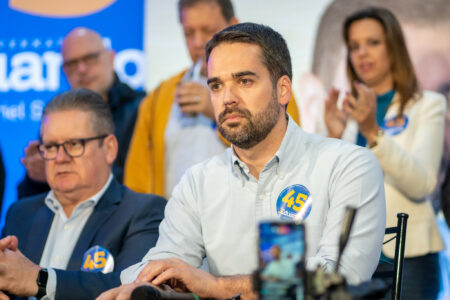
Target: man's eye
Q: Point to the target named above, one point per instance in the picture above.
(214, 86)
(73, 144)
(50, 147)
(245, 81)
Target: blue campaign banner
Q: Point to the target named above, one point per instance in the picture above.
(30, 63)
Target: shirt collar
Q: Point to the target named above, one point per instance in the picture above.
(54, 205)
(280, 160)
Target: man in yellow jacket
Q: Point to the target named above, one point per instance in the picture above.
(175, 128)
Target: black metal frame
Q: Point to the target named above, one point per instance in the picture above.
(400, 238)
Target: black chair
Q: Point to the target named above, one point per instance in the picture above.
(394, 271)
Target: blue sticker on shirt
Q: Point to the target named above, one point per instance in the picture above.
(294, 203)
(395, 125)
(97, 259)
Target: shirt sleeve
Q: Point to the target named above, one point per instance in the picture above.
(51, 285)
(356, 181)
(180, 234)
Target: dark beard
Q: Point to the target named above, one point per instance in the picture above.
(256, 128)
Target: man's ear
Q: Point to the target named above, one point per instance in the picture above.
(284, 90)
(233, 21)
(111, 54)
(111, 147)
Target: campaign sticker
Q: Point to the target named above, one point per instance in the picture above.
(294, 203)
(395, 125)
(97, 259)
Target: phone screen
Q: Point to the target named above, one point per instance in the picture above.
(281, 260)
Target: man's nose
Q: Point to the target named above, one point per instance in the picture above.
(81, 66)
(229, 96)
(61, 155)
(199, 40)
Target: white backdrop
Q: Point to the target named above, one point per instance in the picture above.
(166, 53)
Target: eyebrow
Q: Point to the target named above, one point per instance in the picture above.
(234, 75)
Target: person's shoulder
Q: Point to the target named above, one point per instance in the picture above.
(329, 145)
(135, 197)
(31, 203)
(433, 97)
(337, 150)
(429, 101)
(214, 164)
(172, 80)
(166, 86)
(139, 200)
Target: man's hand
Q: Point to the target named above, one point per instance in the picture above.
(364, 110)
(17, 273)
(33, 162)
(181, 276)
(194, 98)
(122, 292)
(335, 119)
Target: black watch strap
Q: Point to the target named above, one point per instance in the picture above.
(41, 282)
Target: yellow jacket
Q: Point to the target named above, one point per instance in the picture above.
(144, 168)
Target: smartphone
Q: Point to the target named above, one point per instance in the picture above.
(281, 260)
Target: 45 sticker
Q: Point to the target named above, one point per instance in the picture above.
(293, 201)
(97, 259)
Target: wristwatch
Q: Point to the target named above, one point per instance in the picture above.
(41, 282)
(380, 133)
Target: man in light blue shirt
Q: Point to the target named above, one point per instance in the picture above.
(273, 170)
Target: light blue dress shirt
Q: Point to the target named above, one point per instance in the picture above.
(64, 233)
(215, 209)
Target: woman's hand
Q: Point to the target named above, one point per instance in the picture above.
(364, 110)
(335, 119)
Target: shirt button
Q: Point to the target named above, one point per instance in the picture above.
(261, 196)
(66, 227)
(56, 258)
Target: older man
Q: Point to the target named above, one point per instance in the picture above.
(176, 127)
(273, 170)
(88, 64)
(88, 223)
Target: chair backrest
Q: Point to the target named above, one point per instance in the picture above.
(400, 238)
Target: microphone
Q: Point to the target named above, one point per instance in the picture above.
(148, 292)
(347, 224)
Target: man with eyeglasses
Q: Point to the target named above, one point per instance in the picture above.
(76, 239)
(88, 64)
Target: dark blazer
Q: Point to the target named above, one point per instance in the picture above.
(124, 222)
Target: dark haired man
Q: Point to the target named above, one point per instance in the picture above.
(273, 170)
(88, 224)
(176, 127)
(88, 64)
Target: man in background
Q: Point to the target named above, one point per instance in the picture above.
(60, 244)
(87, 63)
(176, 127)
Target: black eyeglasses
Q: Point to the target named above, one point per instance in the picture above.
(73, 148)
(88, 59)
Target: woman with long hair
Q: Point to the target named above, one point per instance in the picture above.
(403, 127)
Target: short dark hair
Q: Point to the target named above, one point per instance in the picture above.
(226, 7)
(404, 77)
(86, 101)
(275, 53)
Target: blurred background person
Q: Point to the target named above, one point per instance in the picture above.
(87, 63)
(176, 127)
(404, 127)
